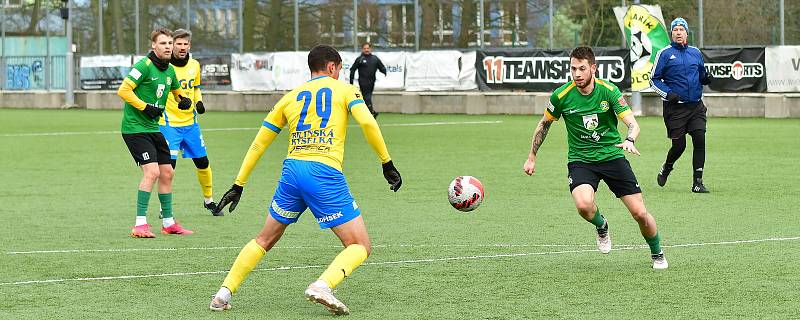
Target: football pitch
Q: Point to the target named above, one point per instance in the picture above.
(69, 190)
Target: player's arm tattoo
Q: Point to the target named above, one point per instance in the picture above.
(633, 126)
(539, 134)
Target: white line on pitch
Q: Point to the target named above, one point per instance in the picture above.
(498, 245)
(475, 257)
(254, 128)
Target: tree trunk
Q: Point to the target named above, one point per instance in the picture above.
(248, 25)
(274, 40)
(468, 17)
(429, 8)
(119, 33)
(32, 26)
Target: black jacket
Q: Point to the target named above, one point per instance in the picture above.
(366, 65)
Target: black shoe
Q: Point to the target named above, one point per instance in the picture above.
(211, 206)
(698, 186)
(662, 175)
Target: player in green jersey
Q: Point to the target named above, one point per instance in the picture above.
(145, 90)
(590, 108)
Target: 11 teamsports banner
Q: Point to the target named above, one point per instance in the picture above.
(739, 69)
(646, 34)
(783, 68)
(544, 70)
(104, 72)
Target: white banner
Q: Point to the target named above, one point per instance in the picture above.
(783, 68)
(252, 72)
(432, 71)
(395, 63)
(104, 72)
(348, 57)
(466, 76)
(106, 61)
(290, 69)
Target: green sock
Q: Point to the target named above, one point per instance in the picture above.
(654, 243)
(142, 200)
(166, 204)
(598, 219)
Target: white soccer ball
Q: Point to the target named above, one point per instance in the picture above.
(465, 193)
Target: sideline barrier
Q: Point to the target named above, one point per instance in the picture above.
(758, 105)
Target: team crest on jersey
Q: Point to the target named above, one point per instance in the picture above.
(590, 122)
(604, 105)
(169, 81)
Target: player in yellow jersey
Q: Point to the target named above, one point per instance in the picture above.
(316, 115)
(180, 126)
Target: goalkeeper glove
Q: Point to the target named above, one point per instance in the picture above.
(673, 97)
(201, 109)
(707, 80)
(392, 176)
(152, 111)
(185, 103)
(231, 197)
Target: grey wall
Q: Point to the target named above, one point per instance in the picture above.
(758, 105)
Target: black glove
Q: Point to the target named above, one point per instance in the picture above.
(231, 196)
(201, 109)
(185, 103)
(707, 80)
(392, 176)
(673, 97)
(152, 111)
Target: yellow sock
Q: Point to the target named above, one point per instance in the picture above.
(205, 178)
(247, 260)
(344, 264)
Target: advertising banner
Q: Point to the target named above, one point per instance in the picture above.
(433, 70)
(104, 72)
(544, 70)
(783, 68)
(252, 72)
(466, 76)
(290, 69)
(740, 69)
(215, 72)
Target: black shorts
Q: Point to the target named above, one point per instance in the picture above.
(148, 147)
(617, 174)
(682, 118)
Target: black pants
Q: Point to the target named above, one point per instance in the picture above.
(366, 90)
(681, 119)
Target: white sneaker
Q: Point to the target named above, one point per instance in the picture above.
(221, 300)
(659, 261)
(604, 239)
(318, 292)
(219, 304)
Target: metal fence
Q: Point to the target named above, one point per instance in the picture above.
(226, 26)
(102, 27)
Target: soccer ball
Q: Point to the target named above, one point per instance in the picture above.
(465, 193)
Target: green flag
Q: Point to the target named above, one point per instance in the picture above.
(646, 34)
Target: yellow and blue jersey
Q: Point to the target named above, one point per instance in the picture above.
(316, 115)
(189, 79)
